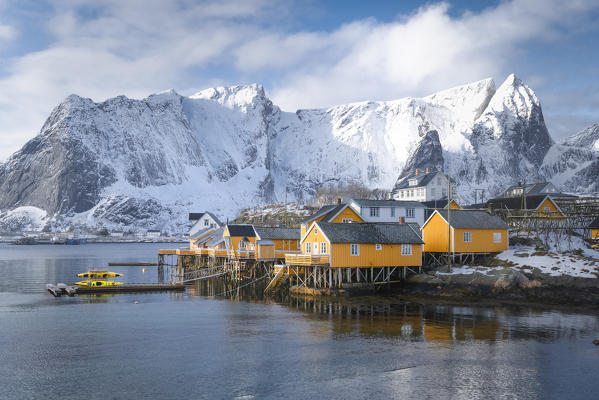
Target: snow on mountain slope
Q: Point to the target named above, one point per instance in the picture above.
(147, 163)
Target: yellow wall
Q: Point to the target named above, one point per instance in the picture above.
(434, 234)
(348, 212)
(595, 233)
(435, 238)
(315, 238)
(267, 251)
(192, 241)
(548, 203)
(388, 256)
(454, 206)
(482, 241)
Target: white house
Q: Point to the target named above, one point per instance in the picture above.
(421, 186)
(202, 221)
(116, 234)
(153, 233)
(388, 210)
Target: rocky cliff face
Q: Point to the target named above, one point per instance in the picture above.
(146, 163)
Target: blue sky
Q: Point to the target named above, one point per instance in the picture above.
(305, 53)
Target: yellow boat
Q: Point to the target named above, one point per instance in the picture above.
(98, 283)
(99, 274)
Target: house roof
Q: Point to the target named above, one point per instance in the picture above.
(216, 237)
(594, 224)
(277, 233)
(199, 232)
(473, 219)
(324, 210)
(531, 188)
(241, 230)
(515, 203)
(386, 203)
(214, 217)
(423, 179)
(195, 216)
(369, 233)
(437, 203)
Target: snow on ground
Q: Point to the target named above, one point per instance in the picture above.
(470, 269)
(553, 263)
(25, 218)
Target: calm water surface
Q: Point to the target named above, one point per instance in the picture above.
(191, 345)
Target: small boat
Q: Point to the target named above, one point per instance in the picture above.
(99, 274)
(98, 283)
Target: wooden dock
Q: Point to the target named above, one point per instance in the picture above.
(132, 264)
(70, 290)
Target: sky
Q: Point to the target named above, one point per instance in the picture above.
(305, 53)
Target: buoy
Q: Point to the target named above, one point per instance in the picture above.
(136, 302)
(143, 270)
(596, 342)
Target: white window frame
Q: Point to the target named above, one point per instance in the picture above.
(354, 249)
(379, 246)
(393, 211)
(406, 249)
(496, 236)
(308, 247)
(467, 236)
(323, 247)
(547, 209)
(410, 212)
(375, 211)
(347, 220)
(206, 222)
(299, 247)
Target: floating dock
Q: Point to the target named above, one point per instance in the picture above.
(132, 264)
(71, 290)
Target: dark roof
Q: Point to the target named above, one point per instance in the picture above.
(195, 216)
(331, 214)
(435, 203)
(531, 188)
(277, 233)
(324, 210)
(473, 219)
(423, 179)
(369, 233)
(387, 203)
(241, 230)
(515, 203)
(475, 206)
(595, 223)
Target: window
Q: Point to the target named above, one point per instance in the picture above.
(393, 211)
(308, 247)
(444, 192)
(497, 237)
(402, 193)
(406, 249)
(347, 220)
(298, 244)
(547, 209)
(433, 191)
(355, 250)
(374, 211)
(323, 248)
(467, 237)
(411, 193)
(243, 244)
(206, 222)
(413, 182)
(379, 246)
(410, 212)
(316, 231)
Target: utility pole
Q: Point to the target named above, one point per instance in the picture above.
(448, 223)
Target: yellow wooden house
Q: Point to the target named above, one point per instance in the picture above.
(472, 231)
(538, 205)
(334, 213)
(274, 242)
(594, 228)
(240, 241)
(361, 245)
(195, 241)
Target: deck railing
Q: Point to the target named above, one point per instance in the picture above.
(306, 259)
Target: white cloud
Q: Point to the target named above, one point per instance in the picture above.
(138, 47)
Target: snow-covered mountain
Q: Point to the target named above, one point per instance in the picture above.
(146, 163)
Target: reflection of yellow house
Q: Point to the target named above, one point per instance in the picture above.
(360, 245)
(335, 213)
(472, 231)
(594, 227)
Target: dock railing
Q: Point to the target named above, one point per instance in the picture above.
(306, 259)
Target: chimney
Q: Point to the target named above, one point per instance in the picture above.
(428, 170)
(417, 171)
(402, 220)
(338, 200)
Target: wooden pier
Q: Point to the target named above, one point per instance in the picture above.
(70, 290)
